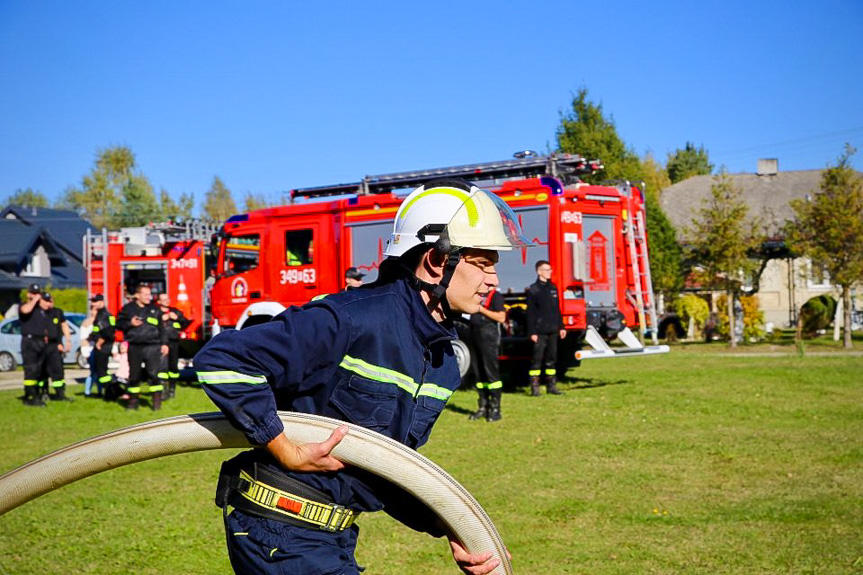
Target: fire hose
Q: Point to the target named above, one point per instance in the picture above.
(362, 448)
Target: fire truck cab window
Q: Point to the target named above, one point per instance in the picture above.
(298, 247)
(242, 253)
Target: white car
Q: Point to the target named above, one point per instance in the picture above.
(10, 342)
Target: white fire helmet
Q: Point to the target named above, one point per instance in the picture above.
(454, 214)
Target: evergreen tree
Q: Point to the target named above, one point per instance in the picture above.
(586, 131)
(688, 162)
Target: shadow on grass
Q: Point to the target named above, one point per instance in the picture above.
(576, 383)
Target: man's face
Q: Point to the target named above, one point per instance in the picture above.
(474, 276)
(144, 296)
(164, 300)
(46, 304)
(97, 305)
(544, 272)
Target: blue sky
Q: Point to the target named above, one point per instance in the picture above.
(271, 96)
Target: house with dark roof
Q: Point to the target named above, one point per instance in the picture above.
(786, 282)
(40, 245)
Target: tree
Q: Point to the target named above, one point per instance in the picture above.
(218, 202)
(100, 197)
(666, 257)
(255, 202)
(829, 229)
(585, 131)
(138, 206)
(722, 240)
(176, 211)
(688, 162)
(27, 198)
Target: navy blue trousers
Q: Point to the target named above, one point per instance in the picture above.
(264, 546)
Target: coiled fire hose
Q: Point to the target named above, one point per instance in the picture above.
(361, 447)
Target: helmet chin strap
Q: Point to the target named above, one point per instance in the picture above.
(438, 290)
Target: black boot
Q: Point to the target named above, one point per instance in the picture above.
(482, 404)
(494, 406)
(534, 385)
(60, 395)
(133, 402)
(157, 400)
(551, 386)
(32, 397)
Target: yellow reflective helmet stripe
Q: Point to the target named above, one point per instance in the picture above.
(472, 213)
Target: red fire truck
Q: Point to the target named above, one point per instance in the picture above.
(593, 235)
(166, 257)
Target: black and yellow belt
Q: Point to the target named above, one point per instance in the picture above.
(257, 496)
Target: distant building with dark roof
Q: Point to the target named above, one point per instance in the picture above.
(786, 283)
(40, 245)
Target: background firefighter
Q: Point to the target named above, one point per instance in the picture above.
(174, 323)
(485, 340)
(141, 323)
(544, 326)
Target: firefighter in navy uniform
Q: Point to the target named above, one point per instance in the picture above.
(102, 338)
(544, 326)
(141, 323)
(485, 339)
(33, 324)
(379, 357)
(174, 322)
(58, 340)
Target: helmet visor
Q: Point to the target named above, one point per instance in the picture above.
(485, 221)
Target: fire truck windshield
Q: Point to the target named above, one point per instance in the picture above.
(241, 253)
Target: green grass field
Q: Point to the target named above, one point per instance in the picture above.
(700, 461)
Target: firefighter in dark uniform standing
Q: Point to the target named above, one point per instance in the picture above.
(544, 326)
(141, 323)
(58, 337)
(33, 324)
(485, 340)
(174, 323)
(102, 338)
(379, 357)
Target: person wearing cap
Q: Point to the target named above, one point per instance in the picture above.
(380, 357)
(102, 339)
(58, 340)
(33, 324)
(353, 278)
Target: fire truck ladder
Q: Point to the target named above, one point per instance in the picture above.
(561, 166)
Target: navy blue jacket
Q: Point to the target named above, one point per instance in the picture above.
(372, 356)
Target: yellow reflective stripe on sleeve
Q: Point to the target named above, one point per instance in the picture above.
(217, 377)
(436, 391)
(378, 373)
(176, 325)
(319, 296)
(152, 320)
(111, 320)
(95, 329)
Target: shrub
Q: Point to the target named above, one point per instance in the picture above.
(693, 307)
(817, 314)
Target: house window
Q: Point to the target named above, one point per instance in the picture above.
(818, 277)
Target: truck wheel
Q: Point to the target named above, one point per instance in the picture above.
(7, 361)
(462, 356)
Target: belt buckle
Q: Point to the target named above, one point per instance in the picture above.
(337, 515)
